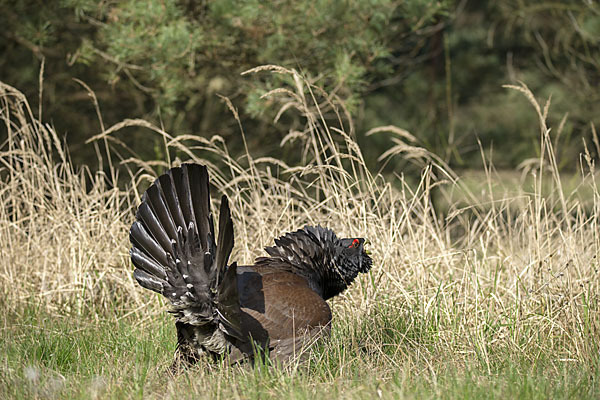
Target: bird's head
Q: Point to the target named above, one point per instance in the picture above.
(353, 257)
(350, 259)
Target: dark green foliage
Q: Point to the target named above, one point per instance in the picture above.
(455, 97)
(167, 60)
(434, 68)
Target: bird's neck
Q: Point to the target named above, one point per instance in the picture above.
(314, 260)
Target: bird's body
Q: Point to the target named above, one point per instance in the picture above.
(278, 304)
(278, 311)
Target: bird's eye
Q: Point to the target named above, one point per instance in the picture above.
(355, 243)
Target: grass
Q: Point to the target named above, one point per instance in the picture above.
(496, 298)
(73, 358)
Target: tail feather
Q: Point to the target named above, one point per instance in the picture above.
(179, 177)
(228, 298)
(175, 254)
(149, 281)
(199, 191)
(225, 236)
(151, 221)
(148, 264)
(144, 241)
(229, 305)
(167, 189)
(154, 197)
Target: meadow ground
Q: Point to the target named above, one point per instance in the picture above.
(496, 296)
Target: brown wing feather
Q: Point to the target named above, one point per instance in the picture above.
(287, 310)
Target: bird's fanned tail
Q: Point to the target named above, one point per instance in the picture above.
(175, 253)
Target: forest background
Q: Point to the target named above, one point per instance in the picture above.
(432, 68)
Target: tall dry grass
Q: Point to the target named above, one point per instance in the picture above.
(508, 277)
(62, 231)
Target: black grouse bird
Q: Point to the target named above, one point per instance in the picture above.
(278, 304)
